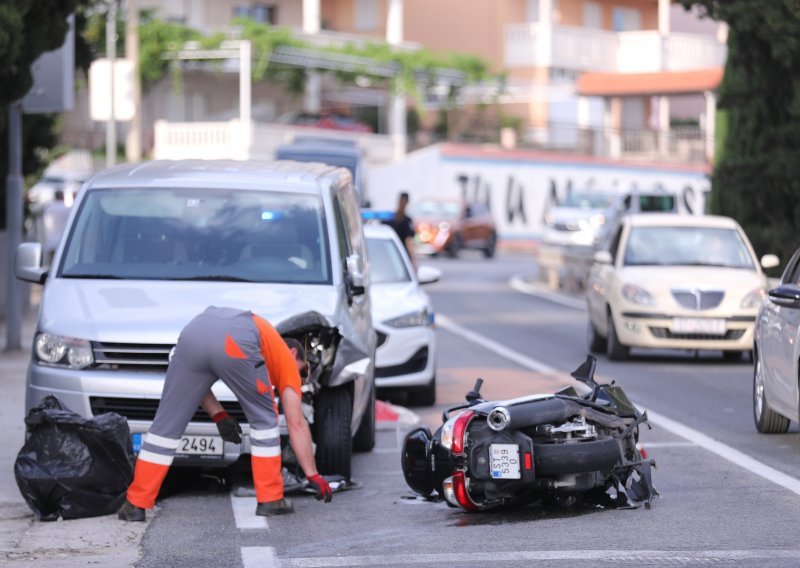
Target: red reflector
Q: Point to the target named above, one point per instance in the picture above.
(642, 451)
(528, 462)
(460, 489)
(459, 430)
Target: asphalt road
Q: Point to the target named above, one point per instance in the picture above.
(728, 495)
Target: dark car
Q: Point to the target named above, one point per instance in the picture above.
(450, 225)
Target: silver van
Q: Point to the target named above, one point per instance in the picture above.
(149, 246)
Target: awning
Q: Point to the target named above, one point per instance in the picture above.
(661, 83)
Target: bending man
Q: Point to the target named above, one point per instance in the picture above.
(250, 357)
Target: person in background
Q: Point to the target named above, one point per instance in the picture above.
(404, 226)
(251, 358)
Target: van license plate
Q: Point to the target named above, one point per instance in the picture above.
(504, 460)
(200, 445)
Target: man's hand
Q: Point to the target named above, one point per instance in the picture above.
(228, 428)
(321, 487)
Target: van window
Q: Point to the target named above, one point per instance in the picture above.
(198, 234)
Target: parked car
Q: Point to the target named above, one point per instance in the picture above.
(331, 151)
(44, 190)
(152, 245)
(451, 225)
(675, 282)
(403, 317)
(585, 219)
(328, 120)
(776, 354)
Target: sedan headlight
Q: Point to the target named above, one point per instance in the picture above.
(753, 299)
(413, 319)
(637, 295)
(63, 351)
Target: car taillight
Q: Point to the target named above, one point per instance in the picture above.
(454, 430)
(460, 491)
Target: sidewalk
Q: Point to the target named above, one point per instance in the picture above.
(101, 541)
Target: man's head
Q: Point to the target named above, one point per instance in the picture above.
(299, 355)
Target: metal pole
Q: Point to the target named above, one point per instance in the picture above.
(133, 143)
(111, 52)
(13, 226)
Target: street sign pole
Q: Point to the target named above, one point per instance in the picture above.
(111, 52)
(14, 185)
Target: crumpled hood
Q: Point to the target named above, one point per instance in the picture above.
(394, 300)
(136, 311)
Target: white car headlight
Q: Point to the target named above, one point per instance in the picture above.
(63, 351)
(637, 295)
(413, 319)
(753, 299)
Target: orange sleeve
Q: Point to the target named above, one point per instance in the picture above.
(281, 366)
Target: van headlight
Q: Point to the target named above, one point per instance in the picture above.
(63, 351)
(413, 319)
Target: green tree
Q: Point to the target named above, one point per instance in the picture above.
(29, 28)
(756, 178)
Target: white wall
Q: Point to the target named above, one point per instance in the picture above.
(519, 185)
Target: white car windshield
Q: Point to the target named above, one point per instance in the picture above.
(687, 246)
(386, 263)
(198, 234)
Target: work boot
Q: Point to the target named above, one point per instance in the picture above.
(279, 507)
(130, 512)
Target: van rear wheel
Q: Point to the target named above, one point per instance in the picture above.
(332, 432)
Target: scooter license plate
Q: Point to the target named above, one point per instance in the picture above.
(504, 461)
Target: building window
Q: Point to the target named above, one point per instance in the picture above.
(626, 19)
(366, 15)
(261, 13)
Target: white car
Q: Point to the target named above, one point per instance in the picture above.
(675, 282)
(402, 316)
(777, 354)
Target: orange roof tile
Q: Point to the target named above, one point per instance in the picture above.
(661, 83)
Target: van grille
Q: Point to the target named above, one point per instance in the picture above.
(131, 356)
(145, 408)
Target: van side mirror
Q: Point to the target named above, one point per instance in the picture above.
(28, 263)
(354, 276)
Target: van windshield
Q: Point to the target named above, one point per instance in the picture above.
(198, 234)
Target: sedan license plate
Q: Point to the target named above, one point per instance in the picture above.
(698, 325)
(189, 445)
(504, 460)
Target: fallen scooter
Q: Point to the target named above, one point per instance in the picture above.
(555, 448)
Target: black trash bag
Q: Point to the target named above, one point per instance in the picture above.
(74, 467)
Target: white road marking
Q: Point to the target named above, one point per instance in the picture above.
(517, 283)
(694, 436)
(724, 451)
(259, 557)
(634, 557)
(495, 347)
(649, 445)
(244, 512)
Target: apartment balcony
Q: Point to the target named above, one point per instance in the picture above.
(583, 49)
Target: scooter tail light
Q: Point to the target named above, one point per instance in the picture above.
(642, 451)
(460, 491)
(460, 431)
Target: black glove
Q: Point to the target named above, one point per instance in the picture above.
(320, 487)
(228, 428)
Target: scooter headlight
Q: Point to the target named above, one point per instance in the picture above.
(63, 351)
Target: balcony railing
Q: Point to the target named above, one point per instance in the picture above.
(583, 49)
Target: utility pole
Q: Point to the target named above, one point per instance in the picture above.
(111, 52)
(133, 142)
(14, 185)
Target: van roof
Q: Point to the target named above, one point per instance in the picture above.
(219, 173)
